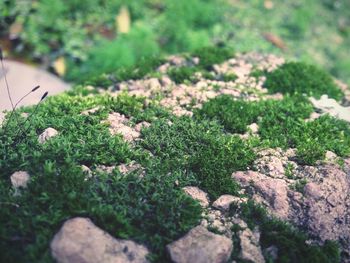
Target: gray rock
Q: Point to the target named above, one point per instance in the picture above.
(323, 207)
(79, 240)
(197, 194)
(47, 134)
(200, 246)
(331, 106)
(250, 247)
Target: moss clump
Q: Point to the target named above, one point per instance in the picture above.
(199, 149)
(234, 115)
(282, 120)
(208, 56)
(323, 134)
(298, 77)
(229, 77)
(135, 108)
(182, 74)
(291, 243)
(282, 124)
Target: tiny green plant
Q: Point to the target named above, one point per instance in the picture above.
(21, 132)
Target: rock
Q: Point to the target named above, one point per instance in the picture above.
(271, 166)
(79, 240)
(195, 60)
(87, 171)
(330, 156)
(254, 127)
(197, 194)
(312, 190)
(128, 168)
(90, 111)
(332, 107)
(141, 125)
(250, 247)
(323, 208)
(118, 125)
(105, 169)
(178, 111)
(20, 179)
(166, 81)
(47, 134)
(200, 245)
(224, 202)
(313, 116)
(153, 84)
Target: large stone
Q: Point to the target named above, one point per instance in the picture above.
(250, 246)
(321, 208)
(197, 194)
(80, 241)
(200, 246)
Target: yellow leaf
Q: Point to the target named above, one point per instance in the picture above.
(122, 20)
(60, 66)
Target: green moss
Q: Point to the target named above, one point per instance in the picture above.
(298, 77)
(282, 124)
(135, 108)
(58, 190)
(209, 56)
(234, 115)
(291, 243)
(299, 185)
(282, 120)
(229, 77)
(257, 73)
(201, 150)
(323, 134)
(181, 74)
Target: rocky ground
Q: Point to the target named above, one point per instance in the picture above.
(313, 199)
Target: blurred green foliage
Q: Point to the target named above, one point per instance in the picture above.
(84, 32)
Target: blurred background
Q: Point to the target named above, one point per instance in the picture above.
(77, 39)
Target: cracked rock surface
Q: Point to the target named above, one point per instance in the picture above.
(320, 205)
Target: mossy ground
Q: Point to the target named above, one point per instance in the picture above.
(202, 150)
